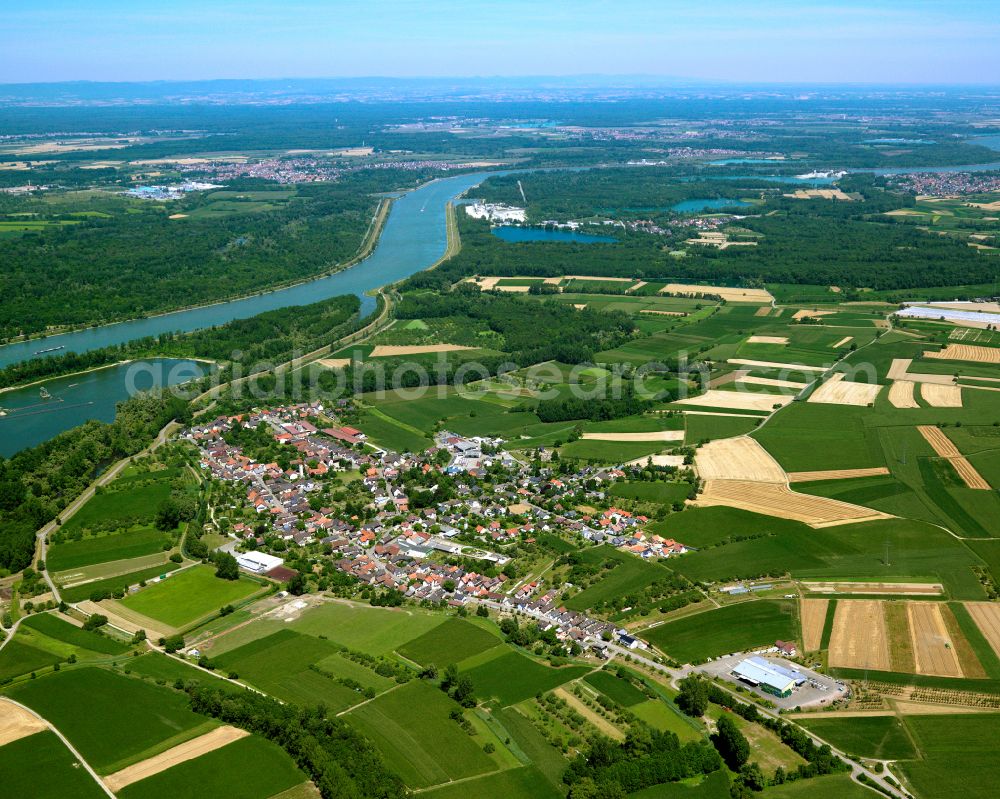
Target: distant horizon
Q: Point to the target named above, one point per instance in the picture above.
(869, 42)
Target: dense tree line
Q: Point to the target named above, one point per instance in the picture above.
(340, 761)
(270, 337)
(561, 409)
(37, 483)
(646, 757)
(127, 265)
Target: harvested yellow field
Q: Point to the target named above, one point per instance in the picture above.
(513, 289)
(859, 639)
(763, 311)
(659, 460)
(659, 435)
(334, 363)
(804, 314)
(579, 305)
(740, 458)
(181, 753)
(837, 391)
(602, 279)
(737, 400)
(986, 615)
(813, 615)
(778, 500)
(727, 293)
(943, 447)
(387, 350)
(932, 646)
(901, 394)
(16, 722)
(895, 589)
(900, 370)
(842, 342)
(793, 367)
(818, 194)
(836, 474)
(178, 216)
(771, 381)
(967, 352)
(637, 286)
(767, 340)
(939, 396)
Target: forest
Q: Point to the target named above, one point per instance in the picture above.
(37, 483)
(127, 261)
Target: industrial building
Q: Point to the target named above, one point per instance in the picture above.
(257, 562)
(768, 676)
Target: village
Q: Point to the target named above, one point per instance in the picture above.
(416, 550)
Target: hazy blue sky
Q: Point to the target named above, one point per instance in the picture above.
(911, 41)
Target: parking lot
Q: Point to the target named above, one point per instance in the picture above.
(818, 690)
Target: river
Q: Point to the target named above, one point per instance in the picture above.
(414, 237)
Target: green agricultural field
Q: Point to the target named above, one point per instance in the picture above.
(411, 728)
(513, 677)
(451, 642)
(166, 670)
(808, 436)
(958, 756)
(18, 658)
(41, 767)
(385, 431)
(524, 782)
(132, 543)
(112, 720)
(662, 493)
(834, 786)
(611, 451)
(631, 574)
(708, 428)
(249, 768)
(878, 737)
(136, 504)
(615, 688)
(665, 717)
(733, 628)
(300, 669)
(61, 630)
(378, 631)
(188, 596)
(527, 738)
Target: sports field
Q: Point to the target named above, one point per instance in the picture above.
(188, 596)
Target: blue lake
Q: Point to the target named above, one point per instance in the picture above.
(515, 234)
(706, 204)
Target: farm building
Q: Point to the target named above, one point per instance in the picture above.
(258, 562)
(768, 676)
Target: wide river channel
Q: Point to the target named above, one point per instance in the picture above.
(414, 237)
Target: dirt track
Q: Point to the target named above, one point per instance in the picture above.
(188, 750)
(859, 639)
(813, 613)
(16, 723)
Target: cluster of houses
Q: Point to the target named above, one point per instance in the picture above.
(399, 548)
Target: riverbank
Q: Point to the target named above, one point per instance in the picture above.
(110, 365)
(368, 244)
